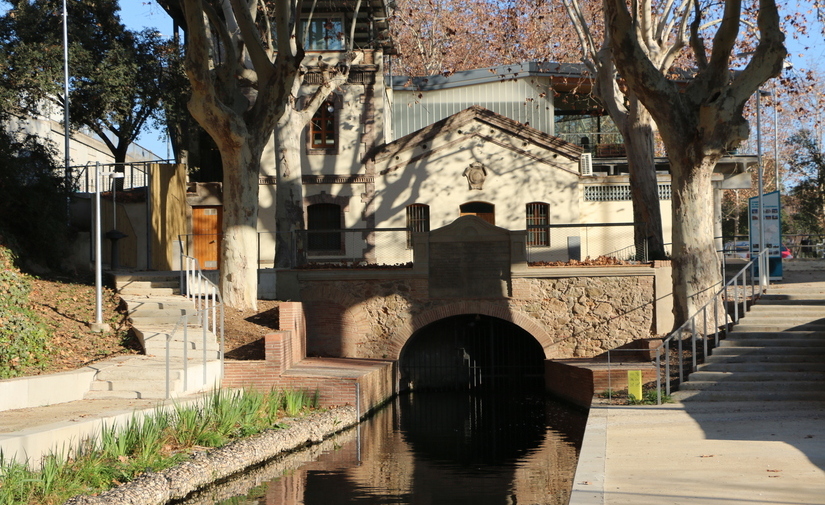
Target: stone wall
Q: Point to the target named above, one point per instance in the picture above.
(372, 315)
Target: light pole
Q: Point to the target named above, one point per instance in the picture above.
(66, 158)
(98, 325)
(763, 274)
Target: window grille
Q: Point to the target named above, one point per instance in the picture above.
(418, 220)
(538, 215)
(324, 216)
(618, 193)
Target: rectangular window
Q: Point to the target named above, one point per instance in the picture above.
(320, 217)
(538, 217)
(418, 220)
(322, 128)
(324, 34)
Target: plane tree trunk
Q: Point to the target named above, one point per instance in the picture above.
(699, 121)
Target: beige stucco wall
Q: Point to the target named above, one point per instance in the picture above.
(360, 123)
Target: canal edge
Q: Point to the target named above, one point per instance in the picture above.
(207, 467)
(588, 482)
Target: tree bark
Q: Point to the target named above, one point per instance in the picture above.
(290, 250)
(638, 136)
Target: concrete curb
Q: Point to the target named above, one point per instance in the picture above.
(588, 483)
(204, 468)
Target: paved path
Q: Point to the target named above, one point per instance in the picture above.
(707, 453)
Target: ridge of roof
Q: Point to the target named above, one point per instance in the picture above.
(476, 112)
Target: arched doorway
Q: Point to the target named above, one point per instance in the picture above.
(483, 210)
(471, 351)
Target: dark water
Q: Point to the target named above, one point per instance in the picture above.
(433, 448)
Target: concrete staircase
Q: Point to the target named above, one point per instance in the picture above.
(777, 352)
(156, 312)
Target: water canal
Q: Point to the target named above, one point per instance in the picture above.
(428, 448)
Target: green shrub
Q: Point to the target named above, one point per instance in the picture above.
(23, 338)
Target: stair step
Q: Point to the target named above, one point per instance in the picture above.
(774, 365)
(129, 395)
(136, 373)
(772, 386)
(758, 376)
(765, 358)
(747, 396)
(149, 291)
(770, 346)
(778, 326)
(135, 385)
(783, 335)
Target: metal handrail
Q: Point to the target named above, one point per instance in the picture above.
(720, 296)
(209, 312)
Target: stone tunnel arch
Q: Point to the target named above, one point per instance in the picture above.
(471, 352)
(497, 310)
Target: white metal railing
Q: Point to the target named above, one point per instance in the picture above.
(739, 285)
(207, 317)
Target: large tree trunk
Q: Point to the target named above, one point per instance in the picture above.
(290, 199)
(696, 276)
(644, 186)
(239, 255)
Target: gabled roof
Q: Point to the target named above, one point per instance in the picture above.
(553, 145)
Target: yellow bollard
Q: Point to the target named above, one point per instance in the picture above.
(634, 384)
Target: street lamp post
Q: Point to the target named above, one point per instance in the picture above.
(763, 274)
(98, 325)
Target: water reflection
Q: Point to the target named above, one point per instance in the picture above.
(433, 448)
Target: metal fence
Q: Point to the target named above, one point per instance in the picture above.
(566, 242)
(345, 247)
(135, 175)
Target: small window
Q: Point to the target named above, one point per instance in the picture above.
(484, 210)
(324, 34)
(418, 220)
(321, 217)
(538, 217)
(322, 128)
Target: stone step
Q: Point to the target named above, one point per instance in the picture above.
(770, 346)
(772, 386)
(814, 311)
(135, 373)
(763, 367)
(759, 376)
(767, 357)
(143, 291)
(177, 353)
(756, 335)
(778, 326)
(129, 395)
(156, 336)
(150, 318)
(792, 298)
(746, 396)
(136, 385)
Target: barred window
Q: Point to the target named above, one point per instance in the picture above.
(418, 220)
(324, 216)
(618, 193)
(538, 217)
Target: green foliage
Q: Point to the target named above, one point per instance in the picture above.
(807, 167)
(149, 443)
(115, 87)
(649, 397)
(33, 200)
(22, 336)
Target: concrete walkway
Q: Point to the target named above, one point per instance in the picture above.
(707, 452)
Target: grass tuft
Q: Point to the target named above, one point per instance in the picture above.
(149, 443)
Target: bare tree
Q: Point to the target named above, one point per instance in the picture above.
(699, 121)
(662, 34)
(245, 63)
(240, 89)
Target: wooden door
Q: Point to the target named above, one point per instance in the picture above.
(207, 227)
